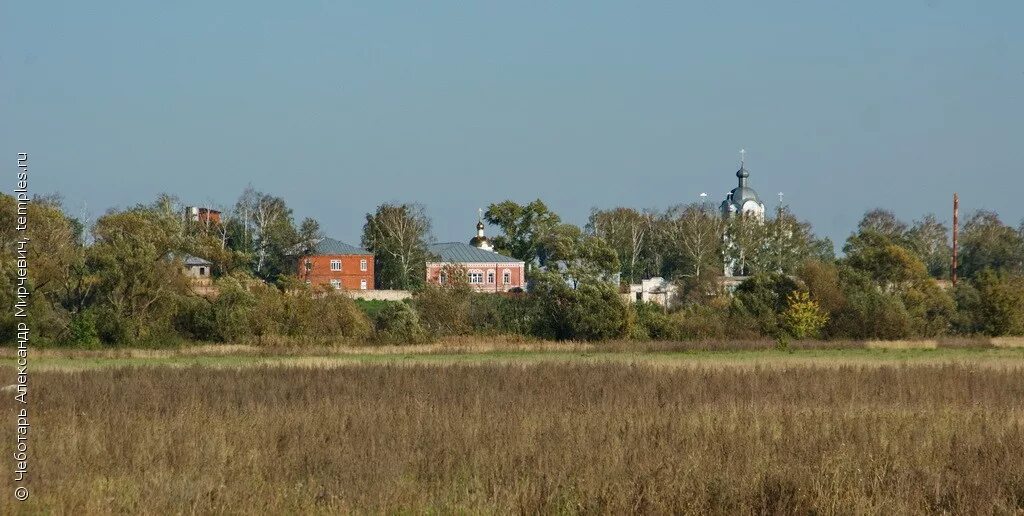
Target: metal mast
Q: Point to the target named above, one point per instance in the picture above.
(956, 233)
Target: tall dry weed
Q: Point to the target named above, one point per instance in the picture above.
(575, 438)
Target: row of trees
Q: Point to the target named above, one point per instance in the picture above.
(399, 234)
(118, 280)
(683, 241)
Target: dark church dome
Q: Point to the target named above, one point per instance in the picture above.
(742, 194)
(480, 241)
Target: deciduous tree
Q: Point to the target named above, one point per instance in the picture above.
(803, 317)
(136, 261)
(883, 222)
(887, 263)
(628, 232)
(397, 234)
(929, 239)
(987, 243)
(523, 228)
(578, 257)
(693, 235)
(268, 233)
(592, 311)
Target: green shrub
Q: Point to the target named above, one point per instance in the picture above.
(931, 309)
(194, 319)
(499, 314)
(868, 311)
(397, 323)
(650, 321)
(232, 311)
(873, 314)
(992, 304)
(444, 309)
(591, 311)
(803, 318)
(337, 316)
(702, 322)
(370, 307)
(318, 315)
(82, 331)
(763, 298)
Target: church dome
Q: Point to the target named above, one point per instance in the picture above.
(742, 199)
(742, 194)
(480, 241)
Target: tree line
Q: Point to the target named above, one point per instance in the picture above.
(118, 280)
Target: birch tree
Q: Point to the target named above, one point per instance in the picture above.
(268, 231)
(929, 238)
(789, 242)
(695, 235)
(397, 234)
(627, 231)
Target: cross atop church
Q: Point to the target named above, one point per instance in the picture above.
(743, 156)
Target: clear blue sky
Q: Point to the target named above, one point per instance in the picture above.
(337, 107)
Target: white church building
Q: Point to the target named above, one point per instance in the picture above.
(742, 201)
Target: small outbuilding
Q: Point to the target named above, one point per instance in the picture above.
(196, 267)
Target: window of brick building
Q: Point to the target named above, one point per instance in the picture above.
(506, 277)
(335, 265)
(362, 284)
(336, 284)
(362, 265)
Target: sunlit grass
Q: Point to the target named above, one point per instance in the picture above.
(984, 357)
(530, 432)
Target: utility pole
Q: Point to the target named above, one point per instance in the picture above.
(956, 234)
(779, 233)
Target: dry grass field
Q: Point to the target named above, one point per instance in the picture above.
(562, 436)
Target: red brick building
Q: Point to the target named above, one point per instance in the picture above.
(339, 265)
(202, 215)
(488, 271)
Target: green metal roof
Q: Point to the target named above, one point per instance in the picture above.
(459, 252)
(330, 246)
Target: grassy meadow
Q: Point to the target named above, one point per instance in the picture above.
(526, 428)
